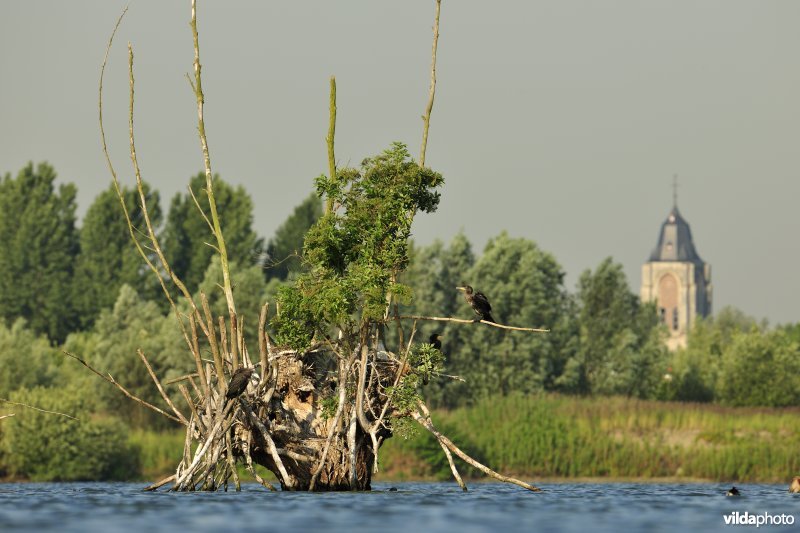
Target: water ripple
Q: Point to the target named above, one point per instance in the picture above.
(434, 507)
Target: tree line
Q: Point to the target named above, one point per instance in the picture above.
(85, 290)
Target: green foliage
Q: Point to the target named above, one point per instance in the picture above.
(694, 371)
(159, 451)
(329, 406)
(187, 232)
(525, 286)
(425, 360)
(249, 290)
(561, 436)
(433, 274)
(760, 369)
(26, 359)
(46, 447)
(108, 258)
(284, 248)
(620, 347)
(39, 243)
(354, 253)
(131, 325)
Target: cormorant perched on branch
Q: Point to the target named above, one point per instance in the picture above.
(479, 303)
(435, 341)
(239, 381)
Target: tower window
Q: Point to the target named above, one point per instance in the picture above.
(675, 318)
(662, 314)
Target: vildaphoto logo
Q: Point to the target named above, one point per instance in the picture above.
(761, 519)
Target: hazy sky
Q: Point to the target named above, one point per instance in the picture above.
(560, 121)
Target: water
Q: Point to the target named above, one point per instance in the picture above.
(417, 507)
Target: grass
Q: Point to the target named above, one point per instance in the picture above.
(551, 436)
(161, 451)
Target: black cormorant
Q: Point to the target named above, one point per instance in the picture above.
(479, 303)
(732, 492)
(239, 381)
(436, 341)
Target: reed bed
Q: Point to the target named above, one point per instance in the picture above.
(568, 437)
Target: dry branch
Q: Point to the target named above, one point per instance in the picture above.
(180, 378)
(7, 416)
(286, 479)
(159, 484)
(426, 118)
(464, 321)
(334, 426)
(427, 424)
(329, 140)
(114, 382)
(35, 409)
(201, 130)
(161, 389)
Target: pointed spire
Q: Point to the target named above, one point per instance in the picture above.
(675, 191)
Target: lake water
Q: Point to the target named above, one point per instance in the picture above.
(417, 507)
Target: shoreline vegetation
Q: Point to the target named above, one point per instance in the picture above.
(555, 438)
(551, 436)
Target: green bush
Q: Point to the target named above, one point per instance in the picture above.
(760, 369)
(26, 358)
(48, 447)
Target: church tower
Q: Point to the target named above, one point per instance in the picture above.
(677, 279)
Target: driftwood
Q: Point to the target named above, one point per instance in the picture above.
(287, 421)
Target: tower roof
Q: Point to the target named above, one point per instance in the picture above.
(675, 240)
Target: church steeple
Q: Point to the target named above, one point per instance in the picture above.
(676, 277)
(675, 191)
(675, 241)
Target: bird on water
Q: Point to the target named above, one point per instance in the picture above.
(239, 381)
(479, 303)
(733, 491)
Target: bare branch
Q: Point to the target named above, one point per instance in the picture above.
(114, 382)
(464, 321)
(196, 353)
(427, 424)
(203, 213)
(161, 389)
(337, 417)
(212, 340)
(329, 140)
(181, 378)
(273, 450)
(262, 340)
(159, 484)
(8, 416)
(248, 460)
(201, 130)
(190, 402)
(35, 409)
(445, 449)
(426, 118)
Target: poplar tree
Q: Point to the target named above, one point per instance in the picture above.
(38, 246)
(186, 233)
(284, 249)
(107, 260)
